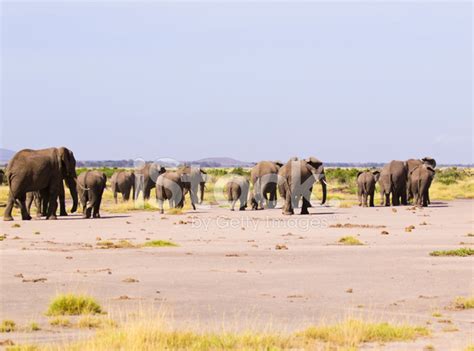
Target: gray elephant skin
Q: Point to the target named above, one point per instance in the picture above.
(146, 178)
(264, 178)
(296, 180)
(420, 182)
(366, 181)
(123, 182)
(393, 181)
(91, 186)
(237, 189)
(41, 202)
(411, 165)
(170, 187)
(194, 182)
(43, 171)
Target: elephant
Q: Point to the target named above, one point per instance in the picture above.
(146, 178)
(393, 180)
(420, 182)
(237, 189)
(264, 178)
(40, 170)
(192, 178)
(41, 204)
(296, 179)
(90, 186)
(411, 165)
(123, 182)
(2, 176)
(169, 186)
(366, 186)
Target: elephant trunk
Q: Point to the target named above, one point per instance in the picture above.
(71, 183)
(322, 180)
(202, 186)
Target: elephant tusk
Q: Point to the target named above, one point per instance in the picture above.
(324, 182)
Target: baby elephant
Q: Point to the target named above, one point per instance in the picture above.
(420, 182)
(90, 187)
(237, 188)
(366, 186)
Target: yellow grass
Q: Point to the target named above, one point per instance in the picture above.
(146, 334)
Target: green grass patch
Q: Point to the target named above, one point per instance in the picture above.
(159, 243)
(7, 326)
(349, 240)
(70, 304)
(462, 252)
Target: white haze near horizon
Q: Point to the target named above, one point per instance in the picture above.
(355, 82)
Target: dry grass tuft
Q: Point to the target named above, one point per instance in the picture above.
(462, 252)
(349, 240)
(7, 326)
(159, 243)
(463, 303)
(70, 304)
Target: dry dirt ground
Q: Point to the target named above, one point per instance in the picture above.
(228, 271)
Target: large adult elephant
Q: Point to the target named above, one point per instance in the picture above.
(411, 165)
(169, 186)
(146, 178)
(264, 177)
(420, 181)
(123, 182)
(90, 186)
(296, 180)
(194, 182)
(43, 171)
(393, 180)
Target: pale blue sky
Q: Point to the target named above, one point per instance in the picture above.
(363, 81)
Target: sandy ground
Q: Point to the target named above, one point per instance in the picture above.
(227, 270)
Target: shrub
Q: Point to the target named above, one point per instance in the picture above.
(349, 240)
(7, 326)
(70, 304)
(159, 243)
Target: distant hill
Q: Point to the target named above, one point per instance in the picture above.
(6, 155)
(221, 162)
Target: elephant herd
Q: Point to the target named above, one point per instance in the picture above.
(39, 176)
(403, 180)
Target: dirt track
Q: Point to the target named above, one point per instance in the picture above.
(227, 269)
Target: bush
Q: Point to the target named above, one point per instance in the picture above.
(70, 304)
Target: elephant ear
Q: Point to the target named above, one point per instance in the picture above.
(67, 162)
(279, 163)
(376, 174)
(431, 169)
(314, 162)
(204, 176)
(359, 173)
(429, 161)
(413, 170)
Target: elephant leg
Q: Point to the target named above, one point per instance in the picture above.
(428, 197)
(359, 196)
(42, 202)
(232, 205)
(62, 201)
(288, 208)
(395, 198)
(403, 196)
(387, 199)
(126, 195)
(7, 215)
(98, 200)
(115, 196)
(146, 192)
(364, 199)
(271, 203)
(371, 199)
(160, 205)
(243, 204)
(24, 211)
(52, 203)
(304, 207)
